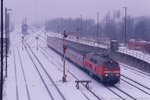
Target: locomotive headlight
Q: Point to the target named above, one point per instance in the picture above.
(106, 74)
(117, 75)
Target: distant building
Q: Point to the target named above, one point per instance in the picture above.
(117, 15)
(25, 27)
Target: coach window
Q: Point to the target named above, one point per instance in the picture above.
(95, 61)
(91, 59)
(87, 57)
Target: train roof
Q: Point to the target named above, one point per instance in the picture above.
(81, 50)
(72, 46)
(100, 57)
(77, 49)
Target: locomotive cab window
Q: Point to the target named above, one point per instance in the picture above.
(114, 64)
(108, 65)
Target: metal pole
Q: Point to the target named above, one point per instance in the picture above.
(81, 26)
(6, 32)
(22, 42)
(64, 48)
(64, 60)
(69, 24)
(6, 35)
(97, 31)
(1, 93)
(77, 40)
(37, 43)
(125, 38)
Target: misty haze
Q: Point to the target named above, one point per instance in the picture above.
(75, 50)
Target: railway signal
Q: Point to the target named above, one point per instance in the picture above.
(22, 42)
(37, 43)
(64, 50)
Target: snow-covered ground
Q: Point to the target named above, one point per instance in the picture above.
(27, 79)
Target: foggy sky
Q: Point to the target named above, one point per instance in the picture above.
(38, 10)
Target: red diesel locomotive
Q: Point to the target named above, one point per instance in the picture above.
(101, 66)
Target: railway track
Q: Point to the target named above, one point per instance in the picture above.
(115, 93)
(16, 80)
(16, 74)
(143, 74)
(136, 87)
(131, 97)
(15, 45)
(27, 89)
(136, 82)
(35, 57)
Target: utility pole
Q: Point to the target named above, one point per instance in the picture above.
(1, 88)
(69, 24)
(125, 37)
(77, 40)
(6, 35)
(97, 31)
(77, 37)
(81, 27)
(6, 32)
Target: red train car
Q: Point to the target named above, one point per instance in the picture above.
(101, 66)
(143, 46)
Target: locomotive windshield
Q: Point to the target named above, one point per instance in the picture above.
(109, 65)
(114, 64)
